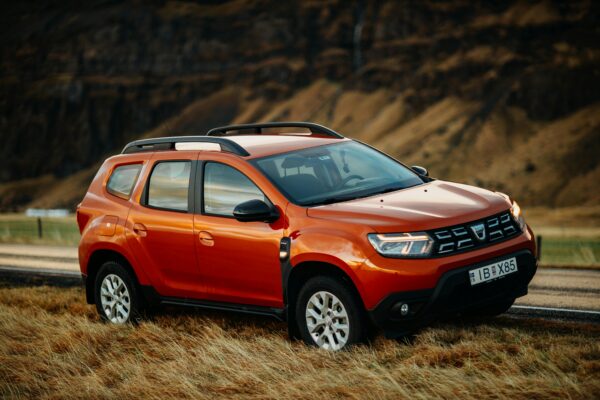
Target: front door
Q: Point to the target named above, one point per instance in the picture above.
(161, 226)
(239, 260)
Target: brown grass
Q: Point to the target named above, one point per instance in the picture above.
(53, 346)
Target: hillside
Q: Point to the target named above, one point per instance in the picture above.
(505, 96)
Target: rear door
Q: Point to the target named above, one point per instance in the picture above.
(161, 226)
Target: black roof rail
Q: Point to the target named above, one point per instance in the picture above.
(254, 129)
(168, 143)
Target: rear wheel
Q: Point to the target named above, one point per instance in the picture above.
(116, 294)
(329, 315)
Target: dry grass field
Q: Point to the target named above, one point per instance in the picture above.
(53, 346)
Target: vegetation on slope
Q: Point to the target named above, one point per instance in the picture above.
(500, 94)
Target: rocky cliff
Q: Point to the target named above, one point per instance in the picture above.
(502, 95)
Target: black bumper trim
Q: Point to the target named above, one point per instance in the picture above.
(452, 295)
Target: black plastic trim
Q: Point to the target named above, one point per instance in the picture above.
(168, 143)
(285, 244)
(155, 299)
(89, 289)
(199, 187)
(256, 129)
(277, 313)
(434, 303)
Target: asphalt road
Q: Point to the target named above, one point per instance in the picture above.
(556, 293)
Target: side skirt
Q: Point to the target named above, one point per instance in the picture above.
(155, 299)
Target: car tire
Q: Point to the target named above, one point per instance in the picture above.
(493, 309)
(116, 294)
(329, 315)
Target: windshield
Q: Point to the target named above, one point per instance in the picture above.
(336, 172)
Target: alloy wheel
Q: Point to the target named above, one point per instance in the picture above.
(115, 300)
(327, 321)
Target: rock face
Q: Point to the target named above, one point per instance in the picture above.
(495, 94)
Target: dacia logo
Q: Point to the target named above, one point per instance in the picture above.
(479, 231)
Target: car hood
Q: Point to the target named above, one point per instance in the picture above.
(432, 205)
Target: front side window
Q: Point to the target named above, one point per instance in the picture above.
(122, 180)
(169, 185)
(225, 187)
(334, 173)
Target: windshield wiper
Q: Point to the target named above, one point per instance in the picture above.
(387, 190)
(331, 200)
(338, 199)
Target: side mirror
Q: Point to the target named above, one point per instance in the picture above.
(420, 170)
(254, 210)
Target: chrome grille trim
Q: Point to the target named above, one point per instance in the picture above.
(446, 248)
(459, 238)
(464, 243)
(460, 231)
(443, 235)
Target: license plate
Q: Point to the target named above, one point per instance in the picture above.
(493, 271)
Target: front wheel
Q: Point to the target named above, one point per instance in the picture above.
(329, 315)
(116, 294)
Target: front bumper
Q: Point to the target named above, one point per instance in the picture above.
(452, 295)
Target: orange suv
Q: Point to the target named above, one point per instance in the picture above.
(325, 232)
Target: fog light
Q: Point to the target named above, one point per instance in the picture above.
(404, 309)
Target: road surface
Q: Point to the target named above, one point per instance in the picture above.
(554, 292)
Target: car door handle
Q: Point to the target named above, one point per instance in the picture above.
(140, 230)
(206, 238)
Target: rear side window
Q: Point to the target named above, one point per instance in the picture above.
(226, 187)
(123, 179)
(169, 185)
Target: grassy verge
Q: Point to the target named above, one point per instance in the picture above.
(571, 251)
(17, 228)
(52, 345)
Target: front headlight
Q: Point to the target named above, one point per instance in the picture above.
(515, 210)
(416, 244)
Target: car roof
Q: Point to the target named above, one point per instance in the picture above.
(250, 140)
(266, 145)
(247, 145)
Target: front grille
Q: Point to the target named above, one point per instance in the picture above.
(473, 235)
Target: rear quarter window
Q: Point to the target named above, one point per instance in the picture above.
(123, 179)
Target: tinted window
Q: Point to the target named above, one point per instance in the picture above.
(333, 173)
(123, 179)
(169, 184)
(225, 187)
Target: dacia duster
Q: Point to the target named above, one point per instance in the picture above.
(295, 221)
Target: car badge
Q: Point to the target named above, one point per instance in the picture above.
(479, 231)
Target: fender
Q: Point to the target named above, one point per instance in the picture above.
(329, 259)
(114, 245)
(331, 246)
